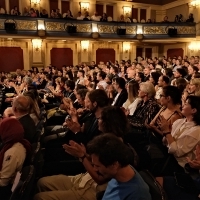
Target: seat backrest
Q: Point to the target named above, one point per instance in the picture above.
(156, 190)
(25, 185)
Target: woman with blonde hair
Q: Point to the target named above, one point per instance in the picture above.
(133, 99)
(194, 87)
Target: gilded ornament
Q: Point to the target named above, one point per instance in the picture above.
(107, 28)
(186, 30)
(131, 30)
(26, 25)
(154, 30)
(1, 25)
(84, 28)
(55, 26)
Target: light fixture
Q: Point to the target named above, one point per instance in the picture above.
(195, 3)
(139, 35)
(85, 45)
(95, 31)
(127, 10)
(37, 44)
(41, 28)
(84, 6)
(126, 47)
(35, 2)
(194, 46)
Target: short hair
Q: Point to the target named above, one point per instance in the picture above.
(102, 74)
(109, 149)
(22, 104)
(155, 76)
(70, 84)
(181, 71)
(148, 88)
(194, 102)
(166, 79)
(99, 96)
(174, 93)
(82, 93)
(115, 69)
(114, 121)
(81, 71)
(48, 76)
(141, 75)
(28, 80)
(181, 84)
(120, 81)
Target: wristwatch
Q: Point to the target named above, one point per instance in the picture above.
(81, 159)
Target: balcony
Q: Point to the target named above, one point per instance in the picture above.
(54, 28)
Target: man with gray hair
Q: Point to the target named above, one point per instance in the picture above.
(20, 107)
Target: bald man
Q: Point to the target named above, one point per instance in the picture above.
(20, 108)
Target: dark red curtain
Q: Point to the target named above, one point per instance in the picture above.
(61, 56)
(175, 52)
(53, 5)
(109, 10)
(105, 55)
(99, 9)
(11, 58)
(65, 6)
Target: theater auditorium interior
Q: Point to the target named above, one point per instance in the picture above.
(99, 100)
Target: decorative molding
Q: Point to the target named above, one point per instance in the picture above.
(55, 26)
(148, 30)
(84, 28)
(107, 28)
(26, 25)
(131, 30)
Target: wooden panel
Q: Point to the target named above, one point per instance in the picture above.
(61, 56)
(148, 52)
(109, 10)
(134, 13)
(11, 58)
(53, 5)
(143, 14)
(2, 3)
(175, 52)
(65, 5)
(99, 9)
(105, 55)
(139, 51)
(13, 3)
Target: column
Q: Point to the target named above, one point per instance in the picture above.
(59, 5)
(7, 5)
(104, 7)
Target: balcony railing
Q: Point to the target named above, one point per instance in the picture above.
(58, 28)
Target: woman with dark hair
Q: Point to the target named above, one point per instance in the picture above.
(184, 135)
(139, 77)
(170, 99)
(12, 155)
(133, 99)
(181, 84)
(154, 76)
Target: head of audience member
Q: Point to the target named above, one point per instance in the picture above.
(171, 95)
(191, 109)
(8, 112)
(139, 77)
(147, 71)
(113, 120)
(109, 78)
(113, 70)
(194, 87)
(180, 73)
(146, 91)
(114, 155)
(154, 76)
(11, 132)
(80, 73)
(119, 84)
(20, 106)
(69, 85)
(48, 77)
(181, 84)
(168, 72)
(131, 73)
(96, 100)
(27, 81)
(132, 89)
(101, 75)
(78, 87)
(163, 81)
(80, 96)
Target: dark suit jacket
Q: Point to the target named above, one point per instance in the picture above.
(29, 128)
(121, 98)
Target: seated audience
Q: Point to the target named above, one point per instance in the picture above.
(33, 13)
(80, 16)
(95, 17)
(69, 15)
(2, 10)
(44, 14)
(191, 18)
(20, 107)
(104, 18)
(15, 11)
(12, 155)
(26, 12)
(133, 99)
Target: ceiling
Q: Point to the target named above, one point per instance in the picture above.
(156, 2)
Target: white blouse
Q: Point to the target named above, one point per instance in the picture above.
(131, 107)
(186, 136)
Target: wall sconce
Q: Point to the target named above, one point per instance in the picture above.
(126, 47)
(37, 44)
(85, 45)
(127, 10)
(95, 31)
(194, 46)
(139, 35)
(41, 28)
(195, 3)
(84, 6)
(35, 2)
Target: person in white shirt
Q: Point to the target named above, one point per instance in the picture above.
(133, 99)
(80, 16)
(101, 78)
(80, 76)
(2, 10)
(95, 17)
